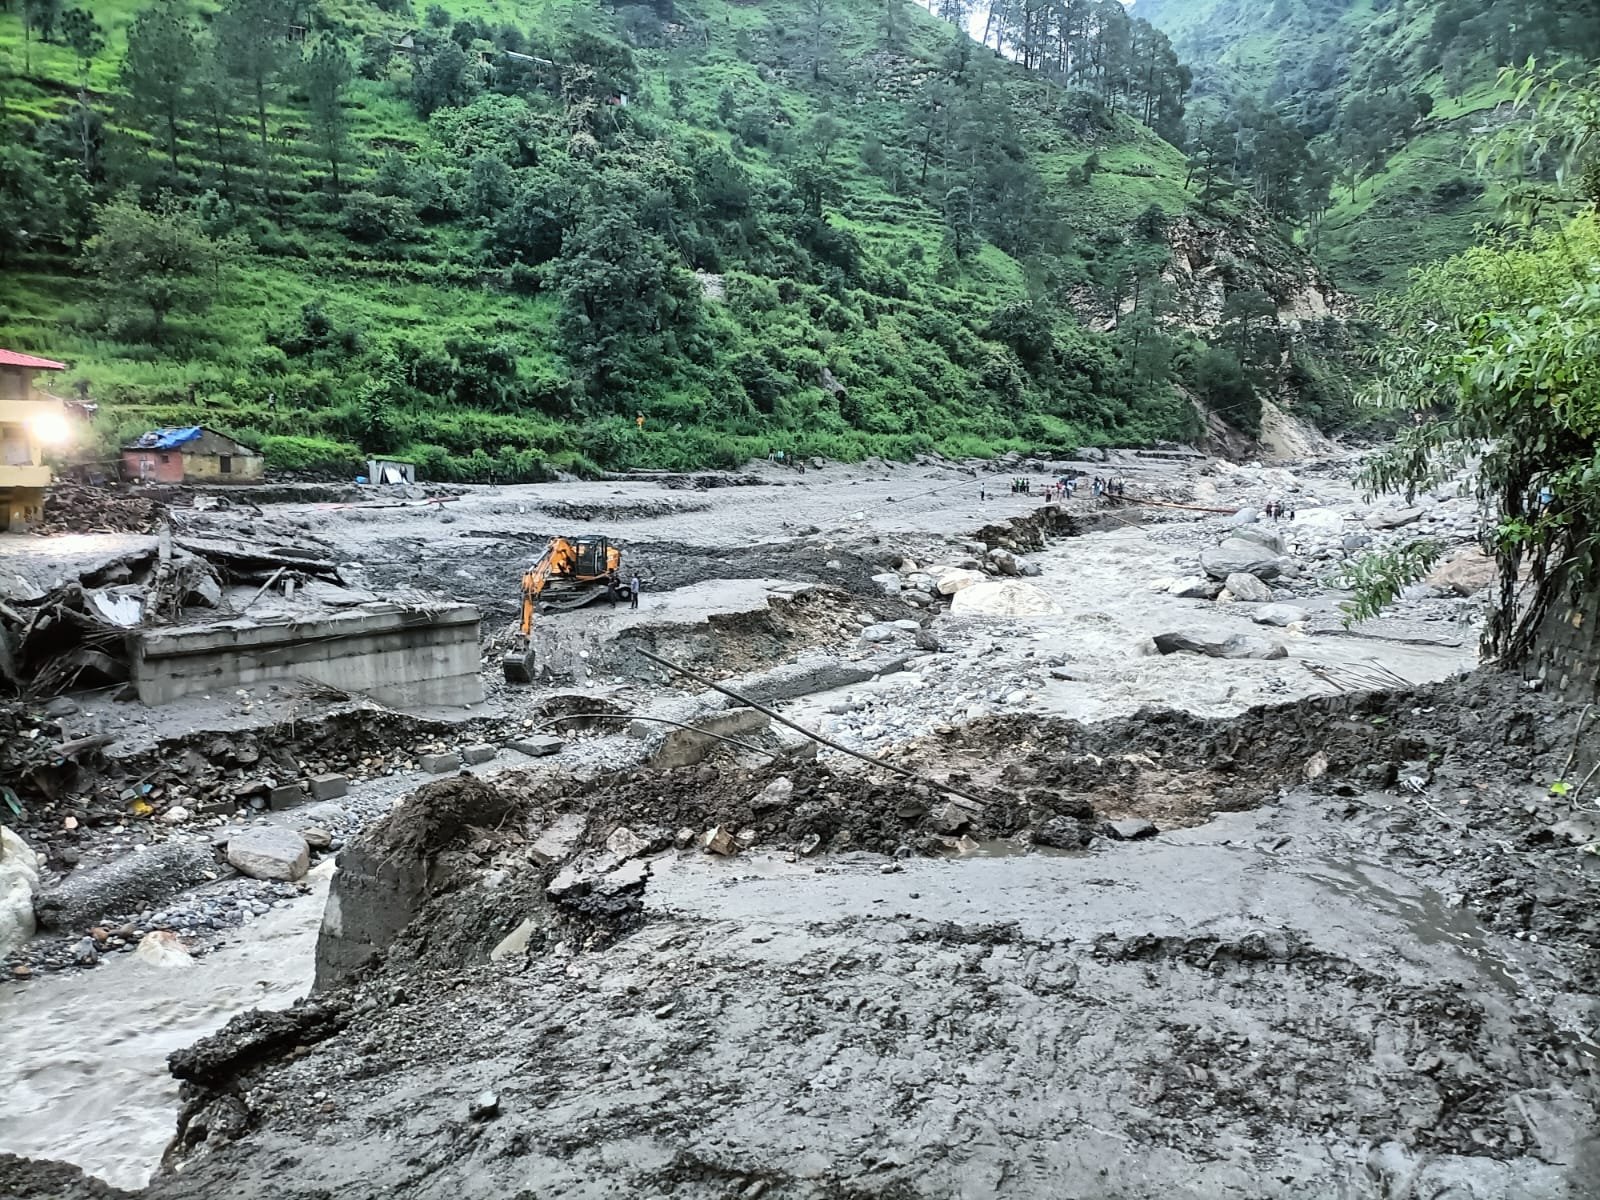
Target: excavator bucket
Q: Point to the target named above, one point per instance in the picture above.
(518, 665)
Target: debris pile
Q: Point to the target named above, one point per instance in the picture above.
(78, 508)
(76, 633)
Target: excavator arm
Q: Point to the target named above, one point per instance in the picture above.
(584, 570)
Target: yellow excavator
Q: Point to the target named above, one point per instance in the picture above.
(571, 573)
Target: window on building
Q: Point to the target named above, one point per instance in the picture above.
(166, 458)
(225, 462)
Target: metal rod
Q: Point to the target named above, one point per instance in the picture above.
(816, 737)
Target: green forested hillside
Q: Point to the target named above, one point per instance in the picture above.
(1383, 97)
(491, 234)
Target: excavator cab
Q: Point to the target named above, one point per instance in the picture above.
(571, 573)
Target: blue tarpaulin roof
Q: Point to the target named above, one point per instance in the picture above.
(167, 439)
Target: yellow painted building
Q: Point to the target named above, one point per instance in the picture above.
(30, 420)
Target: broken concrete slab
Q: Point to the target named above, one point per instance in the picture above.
(329, 787)
(439, 764)
(537, 746)
(286, 795)
(478, 754)
(410, 655)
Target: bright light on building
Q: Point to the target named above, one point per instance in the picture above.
(51, 428)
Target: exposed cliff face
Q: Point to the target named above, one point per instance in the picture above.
(1212, 260)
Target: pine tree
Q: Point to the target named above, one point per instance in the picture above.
(155, 72)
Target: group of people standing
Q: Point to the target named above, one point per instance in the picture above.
(1275, 511)
(1113, 489)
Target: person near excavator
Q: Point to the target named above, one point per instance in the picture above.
(633, 591)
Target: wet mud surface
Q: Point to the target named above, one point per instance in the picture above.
(1333, 981)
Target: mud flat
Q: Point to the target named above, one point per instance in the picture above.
(1138, 924)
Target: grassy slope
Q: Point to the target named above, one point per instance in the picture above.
(437, 294)
(1409, 212)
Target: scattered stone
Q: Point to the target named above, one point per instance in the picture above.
(317, 838)
(1248, 588)
(515, 942)
(775, 795)
(953, 817)
(478, 754)
(269, 852)
(1063, 833)
(889, 582)
(1315, 767)
(1194, 587)
(286, 795)
(917, 599)
(625, 843)
(176, 815)
(559, 840)
(538, 746)
(484, 1107)
(163, 949)
(439, 764)
(719, 840)
(877, 633)
(684, 838)
(1278, 614)
(85, 954)
(1005, 562)
(1128, 829)
(953, 580)
(329, 787)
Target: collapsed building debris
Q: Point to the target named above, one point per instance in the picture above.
(157, 618)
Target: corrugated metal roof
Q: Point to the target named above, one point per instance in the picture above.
(166, 439)
(10, 358)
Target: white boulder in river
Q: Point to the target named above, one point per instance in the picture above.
(19, 879)
(1004, 598)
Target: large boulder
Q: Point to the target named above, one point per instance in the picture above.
(19, 880)
(1393, 518)
(1239, 557)
(1320, 520)
(1466, 575)
(1266, 535)
(1248, 589)
(269, 852)
(1278, 614)
(1245, 516)
(1004, 598)
(1220, 646)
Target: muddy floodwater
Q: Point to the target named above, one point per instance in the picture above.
(85, 1069)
